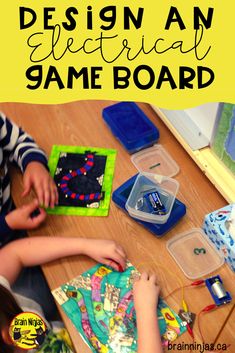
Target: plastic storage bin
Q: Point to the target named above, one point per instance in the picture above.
(130, 126)
(121, 195)
(147, 183)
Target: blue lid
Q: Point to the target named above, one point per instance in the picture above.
(131, 126)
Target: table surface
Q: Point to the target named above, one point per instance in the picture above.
(81, 123)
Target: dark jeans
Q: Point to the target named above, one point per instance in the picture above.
(32, 284)
(13, 236)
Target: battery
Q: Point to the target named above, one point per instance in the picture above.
(154, 203)
(218, 289)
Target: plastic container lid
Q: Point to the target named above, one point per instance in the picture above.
(194, 254)
(155, 160)
(145, 184)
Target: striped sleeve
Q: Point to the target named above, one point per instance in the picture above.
(19, 146)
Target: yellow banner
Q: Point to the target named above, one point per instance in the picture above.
(173, 54)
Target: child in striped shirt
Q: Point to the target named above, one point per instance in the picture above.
(19, 148)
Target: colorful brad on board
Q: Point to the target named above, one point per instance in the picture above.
(100, 304)
(83, 176)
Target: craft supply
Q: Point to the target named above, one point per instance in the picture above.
(103, 310)
(35, 213)
(139, 204)
(217, 290)
(120, 269)
(184, 306)
(83, 176)
(190, 331)
(188, 316)
(155, 165)
(154, 203)
(198, 251)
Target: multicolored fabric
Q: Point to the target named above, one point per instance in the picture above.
(100, 304)
(83, 176)
(56, 342)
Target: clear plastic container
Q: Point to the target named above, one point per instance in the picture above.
(194, 254)
(155, 160)
(145, 184)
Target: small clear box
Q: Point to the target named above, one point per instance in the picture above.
(146, 183)
(155, 160)
(194, 254)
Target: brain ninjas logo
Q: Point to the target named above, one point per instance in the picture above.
(27, 330)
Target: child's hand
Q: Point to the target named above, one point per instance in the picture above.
(106, 252)
(21, 218)
(146, 292)
(37, 176)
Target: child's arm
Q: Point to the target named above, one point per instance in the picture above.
(146, 293)
(38, 177)
(23, 218)
(22, 150)
(40, 250)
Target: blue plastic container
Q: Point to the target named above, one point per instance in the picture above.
(121, 195)
(130, 126)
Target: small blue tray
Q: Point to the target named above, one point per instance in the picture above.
(218, 301)
(130, 126)
(120, 197)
